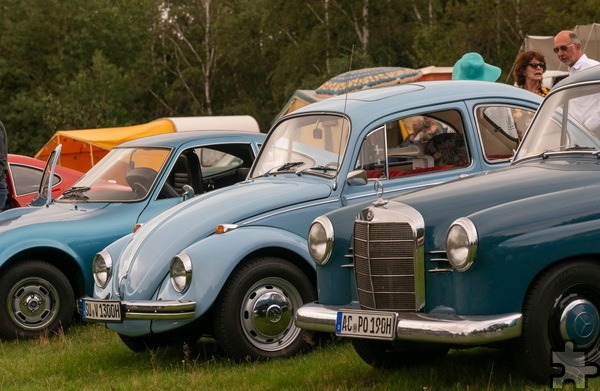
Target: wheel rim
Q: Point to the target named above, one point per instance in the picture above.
(33, 303)
(267, 314)
(575, 318)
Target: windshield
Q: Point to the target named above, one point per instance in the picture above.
(124, 174)
(568, 120)
(312, 144)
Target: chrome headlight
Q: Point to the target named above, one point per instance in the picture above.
(461, 244)
(102, 268)
(181, 272)
(320, 240)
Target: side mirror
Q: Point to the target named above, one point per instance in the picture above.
(188, 192)
(357, 178)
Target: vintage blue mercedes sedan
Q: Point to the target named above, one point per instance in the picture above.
(234, 265)
(46, 252)
(510, 256)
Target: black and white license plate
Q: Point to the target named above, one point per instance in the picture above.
(368, 324)
(100, 310)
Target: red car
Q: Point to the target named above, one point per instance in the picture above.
(24, 179)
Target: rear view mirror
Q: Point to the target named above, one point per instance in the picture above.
(318, 134)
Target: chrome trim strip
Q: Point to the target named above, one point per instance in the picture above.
(418, 327)
(158, 309)
(441, 270)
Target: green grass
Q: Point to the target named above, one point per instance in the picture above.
(90, 357)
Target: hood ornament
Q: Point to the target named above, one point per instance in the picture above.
(379, 193)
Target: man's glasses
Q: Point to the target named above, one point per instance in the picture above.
(535, 65)
(562, 48)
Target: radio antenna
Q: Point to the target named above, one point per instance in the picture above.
(348, 79)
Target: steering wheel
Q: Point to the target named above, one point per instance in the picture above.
(140, 180)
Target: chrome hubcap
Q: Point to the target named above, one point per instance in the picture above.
(579, 322)
(267, 314)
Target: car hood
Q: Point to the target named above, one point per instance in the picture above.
(26, 216)
(145, 260)
(441, 205)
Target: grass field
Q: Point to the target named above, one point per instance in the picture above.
(90, 357)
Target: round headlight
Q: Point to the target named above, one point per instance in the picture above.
(102, 268)
(320, 240)
(181, 272)
(461, 244)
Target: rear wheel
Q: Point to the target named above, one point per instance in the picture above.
(254, 316)
(35, 299)
(562, 306)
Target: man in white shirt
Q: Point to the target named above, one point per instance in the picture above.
(570, 52)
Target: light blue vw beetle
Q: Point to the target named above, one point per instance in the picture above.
(233, 264)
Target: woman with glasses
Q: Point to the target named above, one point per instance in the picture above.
(529, 72)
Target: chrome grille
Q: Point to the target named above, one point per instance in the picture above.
(384, 265)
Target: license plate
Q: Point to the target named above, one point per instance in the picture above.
(369, 324)
(101, 310)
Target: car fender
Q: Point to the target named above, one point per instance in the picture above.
(14, 242)
(114, 249)
(214, 259)
(528, 236)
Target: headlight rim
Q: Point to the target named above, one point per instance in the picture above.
(327, 227)
(186, 262)
(472, 242)
(108, 265)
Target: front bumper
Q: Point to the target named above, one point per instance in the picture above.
(419, 327)
(148, 310)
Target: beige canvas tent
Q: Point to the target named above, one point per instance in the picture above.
(81, 149)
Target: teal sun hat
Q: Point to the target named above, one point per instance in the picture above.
(472, 67)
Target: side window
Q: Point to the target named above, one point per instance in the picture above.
(413, 145)
(27, 179)
(501, 128)
(208, 168)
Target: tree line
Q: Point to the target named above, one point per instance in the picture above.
(73, 64)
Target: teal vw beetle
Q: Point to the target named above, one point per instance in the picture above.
(233, 264)
(508, 257)
(46, 252)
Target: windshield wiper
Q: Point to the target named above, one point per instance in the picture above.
(76, 192)
(321, 168)
(571, 147)
(283, 167)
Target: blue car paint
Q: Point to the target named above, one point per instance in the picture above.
(69, 234)
(273, 212)
(538, 216)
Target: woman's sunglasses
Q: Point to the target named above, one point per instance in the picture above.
(540, 65)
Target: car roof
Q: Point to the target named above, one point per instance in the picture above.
(589, 74)
(177, 138)
(367, 107)
(376, 102)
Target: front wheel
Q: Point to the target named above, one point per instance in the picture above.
(561, 321)
(35, 299)
(254, 316)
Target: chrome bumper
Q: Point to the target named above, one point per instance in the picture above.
(418, 327)
(152, 310)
